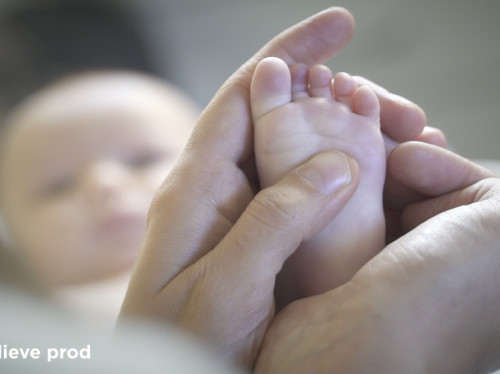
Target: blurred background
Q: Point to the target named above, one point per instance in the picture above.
(442, 54)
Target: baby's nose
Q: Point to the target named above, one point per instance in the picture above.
(103, 180)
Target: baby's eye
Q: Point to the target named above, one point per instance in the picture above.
(56, 188)
(146, 159)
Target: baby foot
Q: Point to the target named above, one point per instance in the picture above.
(297, 113)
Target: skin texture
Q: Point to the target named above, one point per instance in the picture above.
(427, 303)
(298, 112)
(220, 286)
(81, 161)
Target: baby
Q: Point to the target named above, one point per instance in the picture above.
(297, 112)
(80, 162)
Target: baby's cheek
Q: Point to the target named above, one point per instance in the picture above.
(40, 247)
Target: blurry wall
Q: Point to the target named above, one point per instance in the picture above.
(442, 54)
(43, 40)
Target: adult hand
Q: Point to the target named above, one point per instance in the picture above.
(212, 249)
(395, 192)
(428, 303)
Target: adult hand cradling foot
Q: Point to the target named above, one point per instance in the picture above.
(428, 303)
(213, 248)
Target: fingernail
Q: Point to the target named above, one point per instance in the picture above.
(328, 172)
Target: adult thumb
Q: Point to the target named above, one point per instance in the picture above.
(283, 215)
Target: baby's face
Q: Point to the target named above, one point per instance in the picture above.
(80, 168)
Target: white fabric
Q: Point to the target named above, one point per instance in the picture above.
(28, 323)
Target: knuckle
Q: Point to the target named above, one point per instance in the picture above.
(276, 209)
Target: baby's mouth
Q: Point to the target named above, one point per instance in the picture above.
(121, 223)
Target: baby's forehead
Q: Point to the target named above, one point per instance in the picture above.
(83, 104)
(94, 92)
(99, 97)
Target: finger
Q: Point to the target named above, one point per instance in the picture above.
(279, 219)
(242, 268)
(397, 195)
(417, 171)
(313, 40)
(310, 42)
(420, 212)
(400, 119)
(207, 191)
(173, 242)
(187, 219)
(432, 170)
(432, 135)
(429, 135)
